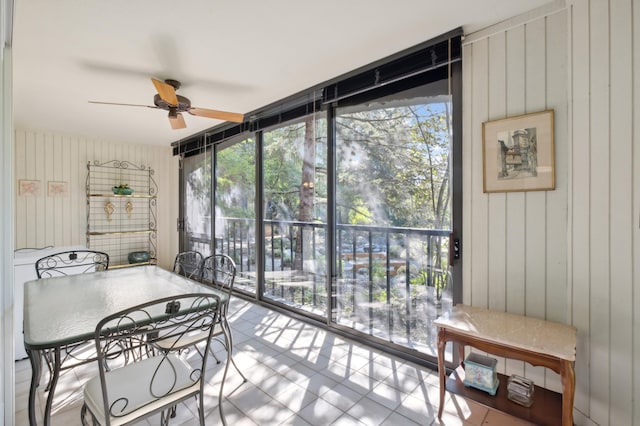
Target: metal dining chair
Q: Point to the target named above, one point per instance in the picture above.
(72, 262)
(135, 381)
(188, 263)
(69, 263)
(218, 272)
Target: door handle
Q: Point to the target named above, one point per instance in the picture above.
(454, 249)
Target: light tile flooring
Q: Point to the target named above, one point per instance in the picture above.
(297, 374)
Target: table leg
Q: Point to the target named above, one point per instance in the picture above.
(442, 372)
(35, 359)
(568, 377)
(55, 373)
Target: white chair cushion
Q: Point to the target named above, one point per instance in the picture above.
(167, 377)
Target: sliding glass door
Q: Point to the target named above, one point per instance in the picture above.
(234, 209)
(340, 204)
(393, 215)
(221, 218)
(295, 205)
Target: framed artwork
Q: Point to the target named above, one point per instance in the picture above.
(518, 153)
(58, 189)
(28, 188)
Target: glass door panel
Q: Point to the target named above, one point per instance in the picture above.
(196, 195)
(234, 213)
(295, 197)
(393, 217)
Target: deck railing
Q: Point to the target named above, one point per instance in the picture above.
(385, 275)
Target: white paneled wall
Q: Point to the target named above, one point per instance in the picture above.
(604, 242)
(516, 256)
(61, 221)
(573, 254)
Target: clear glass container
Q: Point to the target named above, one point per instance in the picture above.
(520, 390)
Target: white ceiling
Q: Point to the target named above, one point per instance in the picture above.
(229, 55)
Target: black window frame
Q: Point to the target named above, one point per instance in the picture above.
(433, 60)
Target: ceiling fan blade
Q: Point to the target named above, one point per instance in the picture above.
(218, 115)
(166, 91)
(115, 103)
(177, 122)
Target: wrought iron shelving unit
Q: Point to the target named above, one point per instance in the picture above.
(121, 224)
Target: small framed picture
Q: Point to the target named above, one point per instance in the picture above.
(58, 189)
(518, 153)
(28, 188)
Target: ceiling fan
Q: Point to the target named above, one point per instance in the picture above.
(168, 100)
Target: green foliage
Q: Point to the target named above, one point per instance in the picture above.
(235, 180)
(284, 162)
(197, 174)
(392, 170)
(394, 163)
(359, 214)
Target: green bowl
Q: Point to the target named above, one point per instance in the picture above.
(122, 191)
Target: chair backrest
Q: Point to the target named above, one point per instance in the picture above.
(218, 271)
(134, 374)
(188, 263)
(71, 263)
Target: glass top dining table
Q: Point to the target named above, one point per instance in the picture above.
(61, 313)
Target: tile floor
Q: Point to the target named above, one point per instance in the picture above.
(297, 375)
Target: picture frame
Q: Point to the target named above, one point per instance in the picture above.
(57, 189)
(28, 188)
(518, 153)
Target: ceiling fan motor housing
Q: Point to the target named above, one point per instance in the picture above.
(183, 103)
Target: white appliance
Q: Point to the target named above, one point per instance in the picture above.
(24, 269)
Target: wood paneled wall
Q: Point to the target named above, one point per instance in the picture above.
(515, 243)
(604, 242)
(566, 255)
(61, 221)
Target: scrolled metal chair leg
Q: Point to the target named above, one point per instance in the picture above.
(229, 347)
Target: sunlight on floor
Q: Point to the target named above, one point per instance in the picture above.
(298, 375)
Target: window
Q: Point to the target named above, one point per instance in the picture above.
(294, 220)
(234, 209)
(393, 214)
(196, 204)
(341, 204)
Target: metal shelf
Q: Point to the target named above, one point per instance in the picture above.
(143, 231)
(122, 195)
(119, 224)
(128, 265)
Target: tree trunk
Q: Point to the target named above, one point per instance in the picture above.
(305, 210)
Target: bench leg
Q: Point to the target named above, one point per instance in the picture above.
(568, 377)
